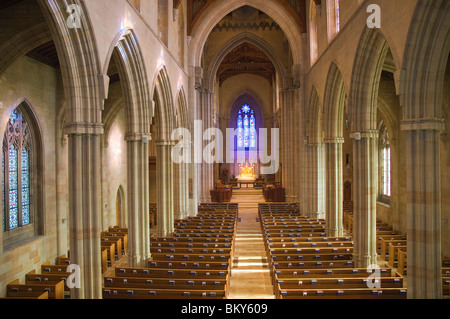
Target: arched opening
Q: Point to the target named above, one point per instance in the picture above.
(22, 171)
(121, 219)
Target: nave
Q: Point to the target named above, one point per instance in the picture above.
(245, 249)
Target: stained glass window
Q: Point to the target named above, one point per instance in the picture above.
(387, 171)
(16, 173)
(337, 7)
(385, 163)
(25, 188)
(246, 128)
(13, 209)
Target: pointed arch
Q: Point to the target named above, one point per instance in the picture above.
(426, 55)
(334, 103)
(77, 51)
(314, 127)
(215, 12)
(235, 42)
(182, 119)
(164, 106)
(25, 138)
(134, 81)
(367, 68)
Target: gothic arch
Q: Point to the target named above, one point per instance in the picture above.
(182, 120)
(367, 68)
(236, 41)
(164, 106)
(135, 88)
(334, 103)
(36, 173)
(314, 126)
(426, 54)
(77, 51)
(215, 12)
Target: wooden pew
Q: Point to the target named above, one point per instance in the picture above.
(55, 291)
(37, 295)
(393, 253)
(48, 268)
(336, 283)
(328, 273)
(111, 251)
(47, 278)
(118, 246)
(124, 293)
(385, 246)
(185, 284)
(188, 265)
(402, 260)
(123, 238)
(388, 237)
(365, 293)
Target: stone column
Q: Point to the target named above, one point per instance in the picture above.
(192, 186)
(185, 191)
(424, 208)
(284, 142)
(316, 180)
(85, 213)
(365, 176)
(138, 202)
(206, 172)
(334, 184)
(164, 171)
(177, 190)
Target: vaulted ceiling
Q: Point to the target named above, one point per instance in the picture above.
(296, 8)
(246, 59)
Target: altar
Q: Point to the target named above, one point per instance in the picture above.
(247, 172)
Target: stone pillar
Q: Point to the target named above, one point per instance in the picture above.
(365, 176)
(424, 208)
(85, 213)
(316, 180)
(164, 171)
(284, 142)
(206, 172)
(334, 184)
(192, 188)
(177, 190)
(138, 202)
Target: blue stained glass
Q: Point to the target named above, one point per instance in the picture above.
(16, 198)
(13, 218)
(25, 165)
(13, 117)
(240, 137)
(246, 120)
(25, 196)
(12, 199)
(25, 188)
(25, 215)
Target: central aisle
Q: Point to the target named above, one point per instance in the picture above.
(250, 276)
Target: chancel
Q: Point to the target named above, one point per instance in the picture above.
(351, 97)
